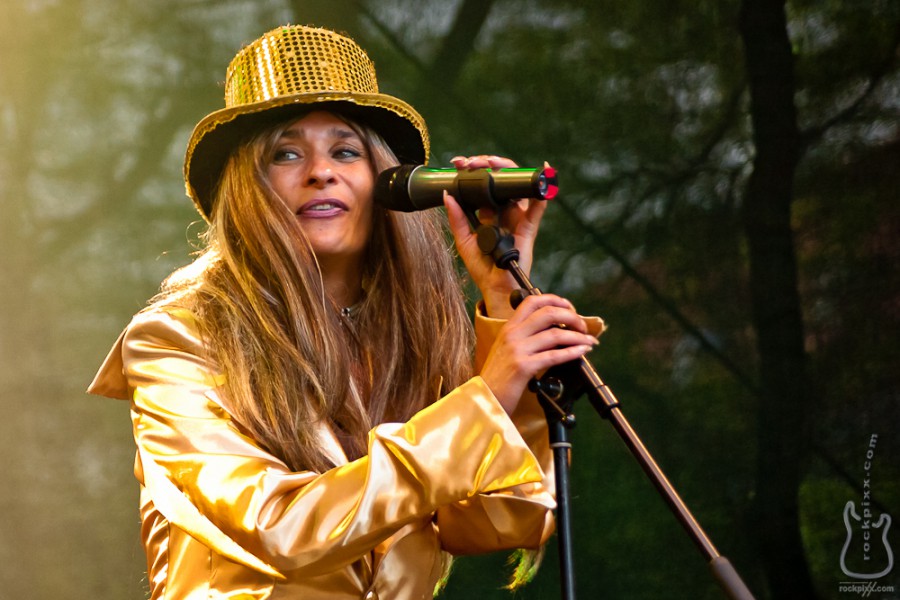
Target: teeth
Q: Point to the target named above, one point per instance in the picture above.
(327, 206)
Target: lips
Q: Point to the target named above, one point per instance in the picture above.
(322, 208)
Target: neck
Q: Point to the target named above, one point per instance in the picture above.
(342, 280)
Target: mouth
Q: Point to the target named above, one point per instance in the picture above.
(322, 208)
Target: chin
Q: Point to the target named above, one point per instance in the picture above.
(332, 253)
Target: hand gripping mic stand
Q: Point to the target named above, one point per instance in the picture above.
(557, 391)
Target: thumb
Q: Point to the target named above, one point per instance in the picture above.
(456, 218)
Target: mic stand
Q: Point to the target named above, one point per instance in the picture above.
(557, 391)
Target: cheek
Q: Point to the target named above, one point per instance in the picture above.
(365, 188)
(364, 184)
(276, 181)
(367, 221)
(281, 181)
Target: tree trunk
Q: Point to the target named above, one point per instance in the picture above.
(435, 90)
(460, 39)
(777, 317)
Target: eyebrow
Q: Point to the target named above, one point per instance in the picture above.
(338, 132)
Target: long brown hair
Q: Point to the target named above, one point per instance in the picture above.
(285, 347)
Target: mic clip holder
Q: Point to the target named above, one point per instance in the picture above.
(551, 393)
(494, 241)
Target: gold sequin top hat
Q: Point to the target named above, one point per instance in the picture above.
(287, 72)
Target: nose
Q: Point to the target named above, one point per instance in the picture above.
(320, 172)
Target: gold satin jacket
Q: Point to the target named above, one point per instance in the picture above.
(222, 518)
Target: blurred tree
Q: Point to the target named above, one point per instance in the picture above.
(786, 389)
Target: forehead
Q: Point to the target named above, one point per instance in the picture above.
(318, 124)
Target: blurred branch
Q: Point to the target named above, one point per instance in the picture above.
(878, 74)
(454, 50)
(666, 178)
(152, 144)
(844, 474)
(660, 299)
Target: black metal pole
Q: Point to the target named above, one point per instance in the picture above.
(559, 443)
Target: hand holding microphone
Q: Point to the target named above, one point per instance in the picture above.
(490, 186)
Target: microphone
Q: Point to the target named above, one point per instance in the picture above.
(409, 188)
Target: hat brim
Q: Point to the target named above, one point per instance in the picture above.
(220, 132)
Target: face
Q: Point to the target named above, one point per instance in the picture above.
(322, 171)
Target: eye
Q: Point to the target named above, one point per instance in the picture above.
(282, 155)
(347, 153)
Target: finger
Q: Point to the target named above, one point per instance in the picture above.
(470, 162)
(554, 338)
(482, 161)
(501, 162)
(553, 317)
(514, 214)
(460, 162)
(529, 211)
(526, 225)
(522, 326)
(557, 356)
(535, 211)
(529, 365)
(456, 218)
(533, 303)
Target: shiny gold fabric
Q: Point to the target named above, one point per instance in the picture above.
(222, 518)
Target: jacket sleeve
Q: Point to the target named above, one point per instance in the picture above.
(517, 517)
(219, 485)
